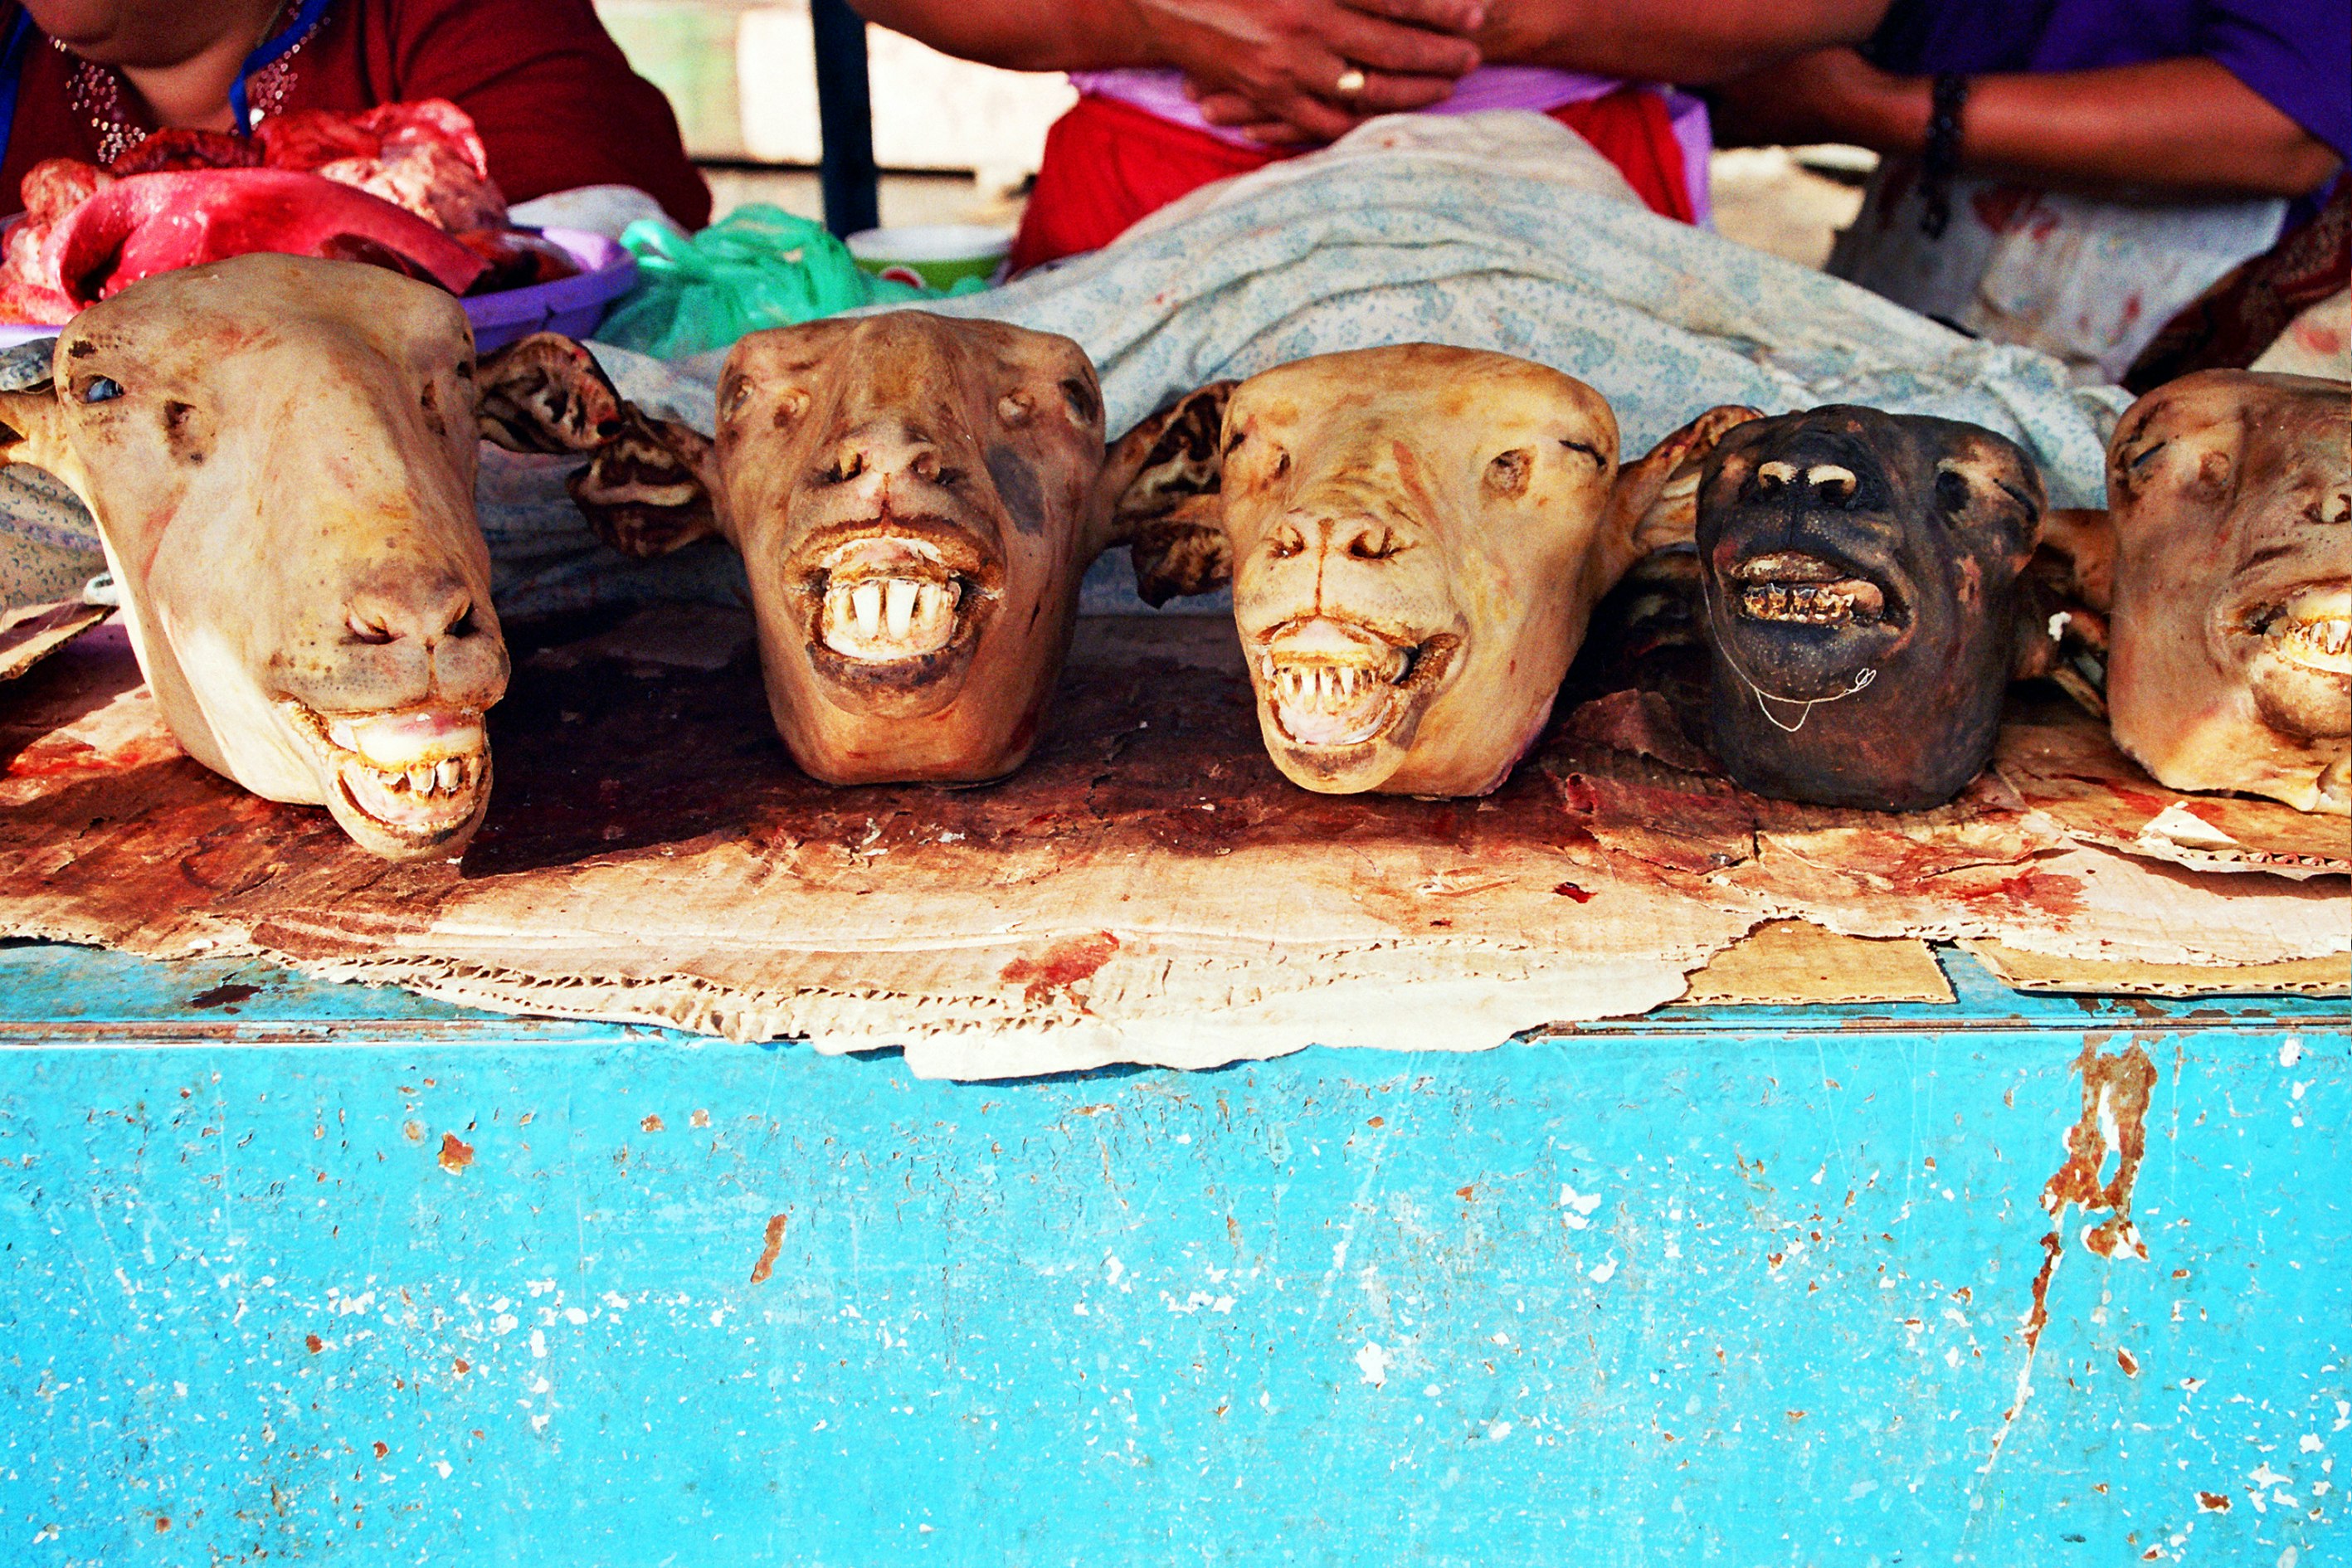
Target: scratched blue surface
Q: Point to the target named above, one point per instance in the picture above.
(1720, 1287)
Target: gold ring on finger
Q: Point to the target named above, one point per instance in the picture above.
(1352, 82)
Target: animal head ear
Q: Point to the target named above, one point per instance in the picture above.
(545, 393)
(1988, 482)
(649, 487)
(1656, 503)
(2077, 549)
(28, 402)
(1160, 494)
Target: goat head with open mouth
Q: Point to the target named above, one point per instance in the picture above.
(914, 498)
(281, 456)
(1416, 535)
(2223, 564)
(1860, 572)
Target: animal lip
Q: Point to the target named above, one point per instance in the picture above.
(1333, 684)
(419, 774)
(1792, 587)
(893, 594)
(2312, 629)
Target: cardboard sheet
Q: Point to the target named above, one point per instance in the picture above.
(1149, 889)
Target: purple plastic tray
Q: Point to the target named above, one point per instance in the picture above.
(572, 306)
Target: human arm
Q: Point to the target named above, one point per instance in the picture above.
(2185, 127)
(1281, 58)
(1640, 40)
(1669, 40)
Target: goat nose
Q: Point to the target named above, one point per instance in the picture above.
(429, 612)
(1363, 537)
(884, 449)
(1833, 484)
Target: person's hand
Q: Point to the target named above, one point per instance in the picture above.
(1310, 70)
(1828, 95)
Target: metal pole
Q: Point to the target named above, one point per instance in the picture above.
(845, 109)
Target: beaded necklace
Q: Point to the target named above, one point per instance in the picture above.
(262, 88)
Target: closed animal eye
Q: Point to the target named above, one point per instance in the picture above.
(101, 389)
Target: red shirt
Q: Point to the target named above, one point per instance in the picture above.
(555, 101)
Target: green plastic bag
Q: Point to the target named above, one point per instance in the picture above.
(761, 267)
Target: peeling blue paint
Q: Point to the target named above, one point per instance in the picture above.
(1720, 1287)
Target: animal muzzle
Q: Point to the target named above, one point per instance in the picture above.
(390, 703)
(1331, 682)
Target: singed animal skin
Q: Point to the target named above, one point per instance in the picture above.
(1861, 575)
(2224, 562)
(281, 455)
(1416, 536)
(914, 501)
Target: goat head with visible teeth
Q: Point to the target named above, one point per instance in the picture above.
(914, 498)
(1860, 574)
(281, 455)
(1415, 537)
(2223, 566)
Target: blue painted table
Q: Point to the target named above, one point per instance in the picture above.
(293, 1272)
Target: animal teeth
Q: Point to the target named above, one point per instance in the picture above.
(450, 774)
(420, 778)
(2325, 642)
(882, 619)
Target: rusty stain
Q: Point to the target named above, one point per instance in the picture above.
(413, 1131)
(2115, 1093)
(2213, 1502)
(382, 1449)
(1061, 967)
(1376, 1121)
(1570, 890)
(772, 1243)
(1466, 1193)
(456, 1153)
(2125, 1360)
(2116, 1090)
(699, 1119)
(163, 1523)
(315, 1343)
(460, 1365)
(225, 995)
(652, 1123)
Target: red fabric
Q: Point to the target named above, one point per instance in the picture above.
(555, 101)
(1109, 163)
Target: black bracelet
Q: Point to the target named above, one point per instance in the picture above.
(1940, 159)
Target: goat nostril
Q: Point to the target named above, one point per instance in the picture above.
(948, 479)
(461, 625)
(1833, 484)
(365, 630)
(845, 466)
(1772, 477)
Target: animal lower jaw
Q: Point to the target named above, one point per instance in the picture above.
(1323, 703)
(418, 777)
(1333, 696)
(1790, 588)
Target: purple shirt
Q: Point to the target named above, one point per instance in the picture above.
(2295, 53)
